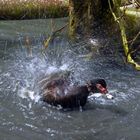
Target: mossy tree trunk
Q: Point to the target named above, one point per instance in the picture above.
(84, 13)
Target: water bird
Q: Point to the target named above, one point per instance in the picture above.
(58, 92)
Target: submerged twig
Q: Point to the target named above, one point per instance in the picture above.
(28, 45)
(135, 38)
(135, 50)
(47, 41)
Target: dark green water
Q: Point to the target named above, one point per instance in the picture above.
(23, 116)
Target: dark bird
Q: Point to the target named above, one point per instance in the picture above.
(59, 92)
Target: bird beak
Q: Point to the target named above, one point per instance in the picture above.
(102, 89)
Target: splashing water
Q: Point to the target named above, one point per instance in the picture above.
(26, 92)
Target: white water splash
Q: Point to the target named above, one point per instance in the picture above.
(64, 67)
(113, 97)
(52, 69)
(28, 94)
(94, 42)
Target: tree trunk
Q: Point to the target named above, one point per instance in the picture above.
(85, 13)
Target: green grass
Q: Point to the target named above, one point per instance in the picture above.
(31, 9)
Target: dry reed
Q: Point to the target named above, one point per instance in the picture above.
(29, 9)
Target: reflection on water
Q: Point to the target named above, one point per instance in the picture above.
(24, 116)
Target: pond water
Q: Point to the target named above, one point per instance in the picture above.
(23, 60)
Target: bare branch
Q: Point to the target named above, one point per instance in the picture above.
(124, 37)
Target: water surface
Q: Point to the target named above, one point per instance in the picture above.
(23, 116)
